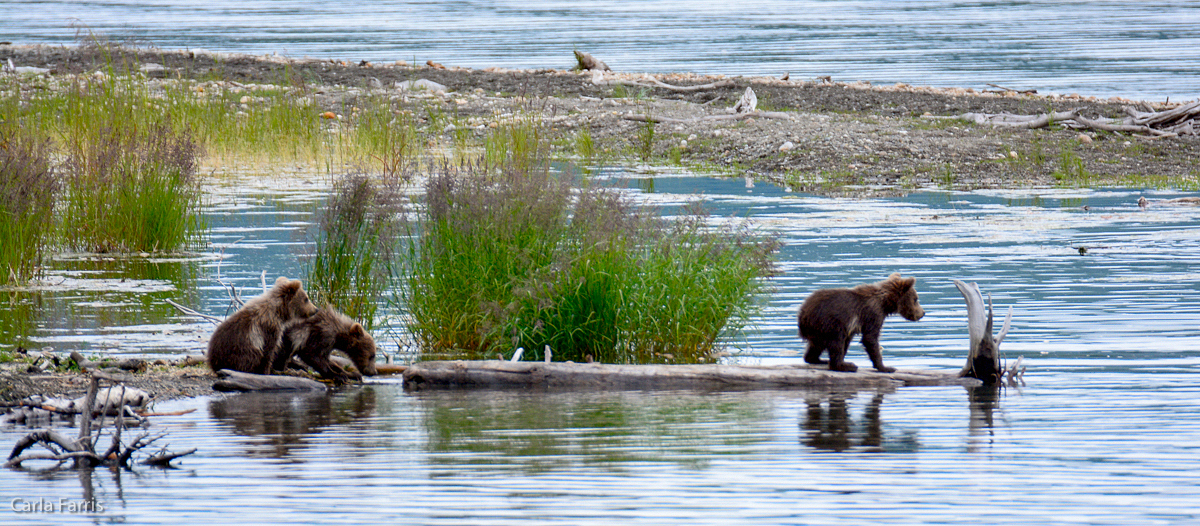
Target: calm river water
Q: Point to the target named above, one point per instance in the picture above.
(1146, 49)
(1105, 431)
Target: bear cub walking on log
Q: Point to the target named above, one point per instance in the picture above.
(830, 318)
(312, 339)
(247, 341)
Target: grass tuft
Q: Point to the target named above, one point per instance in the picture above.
(527, 259)
(131, 189)
(28, 189)
(352, 259)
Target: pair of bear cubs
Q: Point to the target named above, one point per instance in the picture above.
(264, 335)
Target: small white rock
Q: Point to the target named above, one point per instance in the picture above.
(787, 146)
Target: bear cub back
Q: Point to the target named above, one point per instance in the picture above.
(247, 341)
(312, 340)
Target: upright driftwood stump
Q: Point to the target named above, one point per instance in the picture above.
(983, 361)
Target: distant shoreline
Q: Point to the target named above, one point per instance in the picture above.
(841, 138)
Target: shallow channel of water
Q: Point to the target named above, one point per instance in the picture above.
(1103, 432)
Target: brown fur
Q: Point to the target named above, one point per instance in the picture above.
(247, 340)
(830, 318)
(312, 340)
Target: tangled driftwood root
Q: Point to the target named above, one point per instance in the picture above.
(1174, 122)
(115, 400)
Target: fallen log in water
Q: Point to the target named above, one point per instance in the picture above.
(239, 381)
(460, 374)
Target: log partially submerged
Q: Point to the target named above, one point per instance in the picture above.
(498, 374)
(239, 381)
(983, 366)
(81, 452)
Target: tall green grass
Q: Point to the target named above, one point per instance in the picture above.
(131, 189)
(351, 264)
(527, 259)
(28, 189)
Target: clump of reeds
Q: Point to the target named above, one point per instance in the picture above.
(519, 144)
(131, 189)
(351, 264)
(28, 188)
(527, 259)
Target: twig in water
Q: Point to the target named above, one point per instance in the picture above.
(191, 312)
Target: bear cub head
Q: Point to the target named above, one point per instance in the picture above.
(905, 295)
(360, 347)
(294, 301)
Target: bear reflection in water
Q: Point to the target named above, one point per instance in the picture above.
(829, 425)
(285, 420)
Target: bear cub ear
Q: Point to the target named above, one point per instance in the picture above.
(901, 284)
(291, 287)
(357, 329)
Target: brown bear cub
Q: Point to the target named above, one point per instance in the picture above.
(830, 318)
(312, 339)
(247, 341)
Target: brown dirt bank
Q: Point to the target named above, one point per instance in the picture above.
(842, 134)
(162, 382)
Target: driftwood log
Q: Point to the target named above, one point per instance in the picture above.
(239, 381)
(709, 118)
(649, 82)
(81, 451)
(461, 374)
(1174, 122)
(746, 108)
(983, 367)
